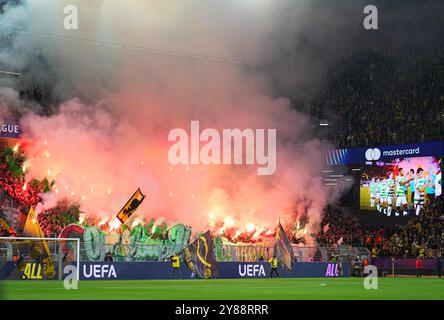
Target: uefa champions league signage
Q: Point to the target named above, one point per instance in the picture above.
(100, 270)
(9, 130)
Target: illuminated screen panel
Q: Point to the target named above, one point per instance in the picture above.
(401, 186)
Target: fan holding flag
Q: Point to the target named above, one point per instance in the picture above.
(283, 251)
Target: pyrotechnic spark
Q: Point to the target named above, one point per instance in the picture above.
(16, 147)
(136, 222)
(92, 190)
(250, 227)
(102, 222)
(258, 233)
(25, 186)
(228, 221)
(46, 154)
(83, 197)
(170, 194)
(56, 190)
(109, 191)
(193, 196)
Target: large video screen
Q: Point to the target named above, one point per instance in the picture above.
(400, 187)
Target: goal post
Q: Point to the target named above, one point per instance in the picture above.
(29, 258)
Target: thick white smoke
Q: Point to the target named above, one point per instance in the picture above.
(108, 136)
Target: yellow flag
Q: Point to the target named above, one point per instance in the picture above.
(130, 207)
(32, 229)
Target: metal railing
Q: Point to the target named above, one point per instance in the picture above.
(345, 252)
(223, 253)
(128, 252)
(10, 209)
(7, 201)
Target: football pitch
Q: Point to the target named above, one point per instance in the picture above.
(228, 289)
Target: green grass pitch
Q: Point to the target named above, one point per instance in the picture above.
(227, 289)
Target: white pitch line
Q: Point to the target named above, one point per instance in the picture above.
(176, 287)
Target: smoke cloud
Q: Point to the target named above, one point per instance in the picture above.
(111, 108)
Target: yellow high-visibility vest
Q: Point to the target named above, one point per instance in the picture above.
(274, 263)
(176, 262)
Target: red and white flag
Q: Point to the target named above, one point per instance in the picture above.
(340, 241)
(326, 227)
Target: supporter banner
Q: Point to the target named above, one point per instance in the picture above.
(200, 258)
(226, 270)
(282, 248)
(381, 153)
(131, 206)
(9, 130)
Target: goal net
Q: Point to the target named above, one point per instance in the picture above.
(37, 258)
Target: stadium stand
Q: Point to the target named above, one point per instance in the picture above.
(403, 89)
(382, 97)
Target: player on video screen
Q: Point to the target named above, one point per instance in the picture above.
(438, 186)
(384, 194)
(401, 199)
(431, 180)
(420, 189)
(391, 193)
(372, 189)
(378, 194)
(412, 178)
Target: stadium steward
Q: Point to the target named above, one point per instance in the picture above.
(274, 266)
(175, 260)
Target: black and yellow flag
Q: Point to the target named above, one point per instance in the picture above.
(40, 250)
(282, 248)
(199, 257)
(130, 207)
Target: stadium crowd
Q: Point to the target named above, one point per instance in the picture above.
(3, 231)
(371, 98)
(16, 188)
(52, 221)
(342, 227)
(422, 235)
(384, 97)
(16, 192)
